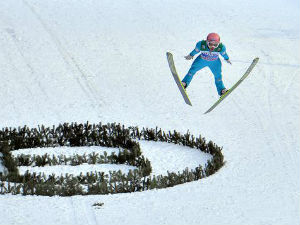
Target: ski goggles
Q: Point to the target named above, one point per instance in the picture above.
(212, 44)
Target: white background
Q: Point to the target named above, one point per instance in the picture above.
(102, 60)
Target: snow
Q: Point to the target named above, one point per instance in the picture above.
(172, 158)
(67, 151)
(104, 61)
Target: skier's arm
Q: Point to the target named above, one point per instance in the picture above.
(224, 54)
(194, 52)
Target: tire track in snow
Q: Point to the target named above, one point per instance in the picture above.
(291, 81)
(12, 65)
(265, 117)
(255, 108)
(13, 37)
(235, 101)
(15, 40)
(82, 79)
(278, 133)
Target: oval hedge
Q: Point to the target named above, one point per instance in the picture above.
(108, 135)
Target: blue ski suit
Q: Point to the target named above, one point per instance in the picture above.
(210, 59)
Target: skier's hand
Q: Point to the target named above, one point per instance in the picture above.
(188, 57)
(228, 61)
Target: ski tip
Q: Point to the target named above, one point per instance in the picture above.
(207, 112)
(168, 53)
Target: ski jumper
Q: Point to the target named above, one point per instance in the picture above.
(207, 58)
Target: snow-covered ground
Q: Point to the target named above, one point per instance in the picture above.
(100, 60)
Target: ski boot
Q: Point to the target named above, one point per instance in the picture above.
(184, 85)
(223, 92)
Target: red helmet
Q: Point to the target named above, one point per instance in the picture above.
(213, 37)
(213, 40)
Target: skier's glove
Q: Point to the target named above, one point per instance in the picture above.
(228, 61)
(188, 57)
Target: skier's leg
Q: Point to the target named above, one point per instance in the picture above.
(216, 69)
(197, 65)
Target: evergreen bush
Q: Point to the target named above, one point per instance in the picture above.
(108, 135)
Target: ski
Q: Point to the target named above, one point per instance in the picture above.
(177, 80)
(234, 86)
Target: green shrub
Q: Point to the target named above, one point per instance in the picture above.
(109, 135)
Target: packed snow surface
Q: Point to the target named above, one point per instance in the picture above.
(104, 61)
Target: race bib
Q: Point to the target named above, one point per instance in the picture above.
(209, 56)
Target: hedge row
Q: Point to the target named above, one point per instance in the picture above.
(109, 135)
(123, 157)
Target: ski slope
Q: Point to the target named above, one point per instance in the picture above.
(100, 60)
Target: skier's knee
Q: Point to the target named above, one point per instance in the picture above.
(218, 80)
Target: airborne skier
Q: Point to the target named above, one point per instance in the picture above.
(209, 50)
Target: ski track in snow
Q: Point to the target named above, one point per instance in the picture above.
(67, 61)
